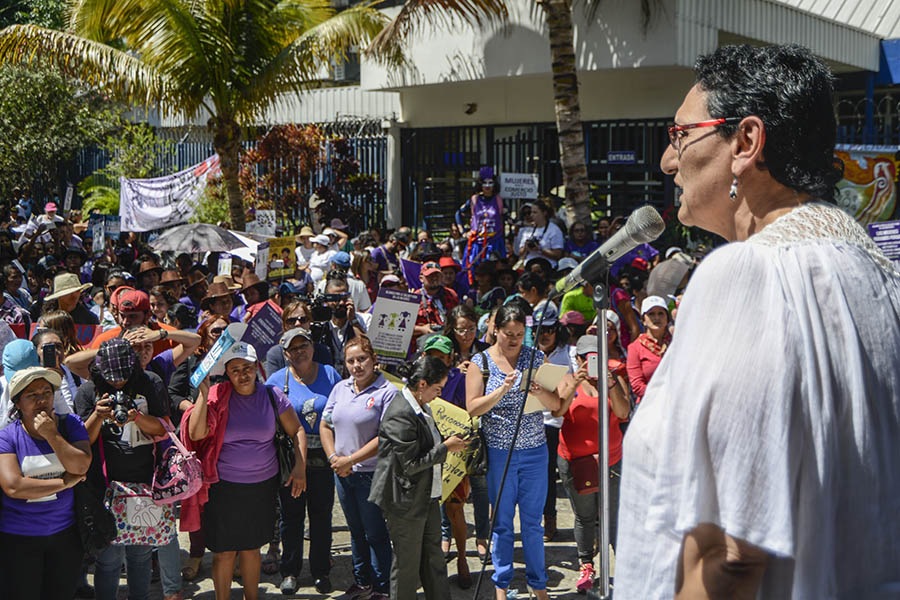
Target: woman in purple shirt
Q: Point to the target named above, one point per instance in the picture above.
(486, 223)
(238, 416)
(349, 435)
(42, 456)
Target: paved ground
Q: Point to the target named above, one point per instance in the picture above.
(562, 567)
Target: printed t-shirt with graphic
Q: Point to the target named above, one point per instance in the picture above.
(50, 514)
(248, 450)
(308, 400)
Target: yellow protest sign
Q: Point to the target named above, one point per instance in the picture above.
(451, 420)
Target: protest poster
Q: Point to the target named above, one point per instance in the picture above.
(391, 327)
(451, 420)
(264, 224)
(868, 191)
(886, 236)
(519, 185)
(263, 330)
(112, 227)
(160, 202)
(282, 262)
(67, 203)
(232, 334)
(97, 231)
(261, 264)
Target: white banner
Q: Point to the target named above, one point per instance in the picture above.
(148, 204)
(519, 185)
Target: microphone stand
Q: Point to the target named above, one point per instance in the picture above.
(496, 502)
(600, 590)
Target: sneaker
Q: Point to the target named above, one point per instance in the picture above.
(586, 581)
(323, 585)
(359, 592)
(289, 585)
(380, 596)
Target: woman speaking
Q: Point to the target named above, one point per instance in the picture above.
(407, 481)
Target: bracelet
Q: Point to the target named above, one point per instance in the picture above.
(333, 454)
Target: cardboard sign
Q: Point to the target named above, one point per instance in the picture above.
(229, 337)
(282, 261)
(451, 420)
(261, 264)
(519, 185)
(391, 327)
(263, 330)
(265, 222)
(67, 203)
(97, 231)
(224, 265)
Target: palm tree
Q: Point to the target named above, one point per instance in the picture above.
(558, 14)
(230, 58)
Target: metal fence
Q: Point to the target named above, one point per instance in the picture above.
(440, 165)
(370, 150)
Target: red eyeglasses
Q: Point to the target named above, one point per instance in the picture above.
(674, 130)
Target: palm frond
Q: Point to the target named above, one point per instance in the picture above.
(117, 73)
(436, 13)
(296, 66)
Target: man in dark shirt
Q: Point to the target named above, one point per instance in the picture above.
(67, 290)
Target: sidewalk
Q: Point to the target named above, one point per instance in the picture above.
(561, 560)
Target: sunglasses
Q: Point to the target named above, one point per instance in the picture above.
(216, 330)
(301, 320)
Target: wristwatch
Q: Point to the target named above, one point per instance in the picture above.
(164, 333)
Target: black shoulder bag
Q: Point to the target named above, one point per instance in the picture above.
(477, 459)
(284, 445)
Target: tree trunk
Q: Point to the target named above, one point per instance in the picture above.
(568, 112)
(227, 143)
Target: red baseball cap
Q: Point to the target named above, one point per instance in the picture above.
(430, 268)
(133, 300)
(447, 261)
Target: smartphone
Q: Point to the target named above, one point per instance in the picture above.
(592, 366)
(48, 355)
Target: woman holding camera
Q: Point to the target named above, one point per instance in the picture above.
(232, 428)
(541, 238)
(407, 481)
(350, 440)
(307, 385)
(42, 456)
(122, 406)
(493, 392)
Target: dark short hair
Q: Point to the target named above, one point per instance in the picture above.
(790, 90)
(429, 369)
(529, 280)
(509, 312)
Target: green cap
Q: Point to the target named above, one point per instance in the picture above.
(440, 343)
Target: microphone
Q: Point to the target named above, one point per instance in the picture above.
(644, 225)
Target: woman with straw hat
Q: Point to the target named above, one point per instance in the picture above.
(67, 290)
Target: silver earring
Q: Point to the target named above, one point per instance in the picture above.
(732, 193)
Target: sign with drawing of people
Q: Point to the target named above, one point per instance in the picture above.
(282, 262)
(391, 327)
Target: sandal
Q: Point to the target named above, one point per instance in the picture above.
(482, 545)
(192, 568)
(270, 564)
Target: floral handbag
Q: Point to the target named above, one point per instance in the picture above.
(139, 520)
(178, 474)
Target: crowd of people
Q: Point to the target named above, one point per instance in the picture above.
(128, 322)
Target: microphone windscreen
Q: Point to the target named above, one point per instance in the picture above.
(645, 225)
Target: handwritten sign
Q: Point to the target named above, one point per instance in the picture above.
(450, 420)
(519, 185)
(391, 327)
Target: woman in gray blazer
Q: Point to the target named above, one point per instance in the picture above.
(407, 482)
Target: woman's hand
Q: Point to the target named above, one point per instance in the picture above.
(455, 444)
(45, 425)
(581, 375)
(464, 366)
(510, 381)
(297, 480)
(541, 392)
(342, 465)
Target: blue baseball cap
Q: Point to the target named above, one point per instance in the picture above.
(287, 288)
(18, 355)
(341, 259)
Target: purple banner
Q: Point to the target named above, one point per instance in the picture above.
(263, 330)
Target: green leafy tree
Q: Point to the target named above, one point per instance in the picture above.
(230, 59)
(44, 120)
(46, 13)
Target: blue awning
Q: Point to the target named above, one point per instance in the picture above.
(889, 67)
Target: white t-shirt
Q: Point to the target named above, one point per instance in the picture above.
(319, 263)
(775, 415)
(303, 252)
(550, 237)
(560, 356)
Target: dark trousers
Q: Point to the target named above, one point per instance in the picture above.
(40, 567)
(318, 501)
(552, 445)
(418, 556)
(586, 508)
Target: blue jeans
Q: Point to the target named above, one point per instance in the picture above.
(370, 543)
(108, 570)
(480, 503)
(526, 486)
(170, 567)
